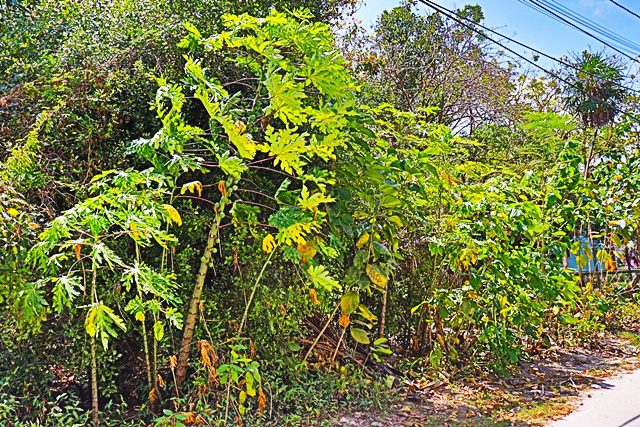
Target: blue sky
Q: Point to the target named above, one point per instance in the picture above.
(518, 21)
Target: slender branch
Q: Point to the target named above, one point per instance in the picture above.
(326, 325)
(256, 204)
(272, 170)
(253, 292)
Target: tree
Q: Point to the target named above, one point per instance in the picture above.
(78, 252)
(594, 88)
(414, 61)
(88, 63)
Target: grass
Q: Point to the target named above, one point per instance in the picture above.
(632, 337)
(539, 412)
(476, 421)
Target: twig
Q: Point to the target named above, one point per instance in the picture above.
(253, 292)
(326, 325)
(335, 352)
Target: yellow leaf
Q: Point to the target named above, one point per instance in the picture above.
(363, 240)
(344, 320)
(376, 275)
(89, 322)
(173, 214)
(306, 249)
(314, 296)
(262, 400)
(240, 127)
(367, 314)
(610, 264)
(134, 229)
(13, 212)
(268, 243)
(222, 188)
(192, 187)
(312, 201)
(245, 145)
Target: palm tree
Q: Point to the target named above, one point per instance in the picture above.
(594, 88)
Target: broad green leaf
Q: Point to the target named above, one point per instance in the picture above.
(158, 330)
(249, 384)
(360, 335)
(376, 275)
(288, 147)
(389, 201)
(320, 278)
(349, 302)
(66, 288)
(435, 356)
(230, 165)
(286, 98)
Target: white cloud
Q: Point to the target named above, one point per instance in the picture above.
(596, 8)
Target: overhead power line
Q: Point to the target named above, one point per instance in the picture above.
(623, 7)
(539, 52)
(571, 14)
(568, 22)
(457, 18)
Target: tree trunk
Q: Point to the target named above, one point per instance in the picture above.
(94, 383)
(383, 312)
(94, 362)
(192, 314)
(589, 157)
(146, 349)
(144, 330)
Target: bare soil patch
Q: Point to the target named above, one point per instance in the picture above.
(540, 390)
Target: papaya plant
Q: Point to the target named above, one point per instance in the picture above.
(85, 264)
(286, 117)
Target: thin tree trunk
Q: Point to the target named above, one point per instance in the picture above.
(145, 341)
(94, 362)
(192, 314)
(245, 316)
(589, 157)
(146, 349)
(383, 312)
(154, 368)
(94, 383)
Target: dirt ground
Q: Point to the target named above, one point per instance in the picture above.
(543, 389)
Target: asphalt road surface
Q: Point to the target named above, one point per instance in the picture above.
(616, 404)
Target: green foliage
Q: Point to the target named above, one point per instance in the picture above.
(595, 89)
(318, 231)
(415, 61)
(22, 302)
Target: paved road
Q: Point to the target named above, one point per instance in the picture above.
(617, 404)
